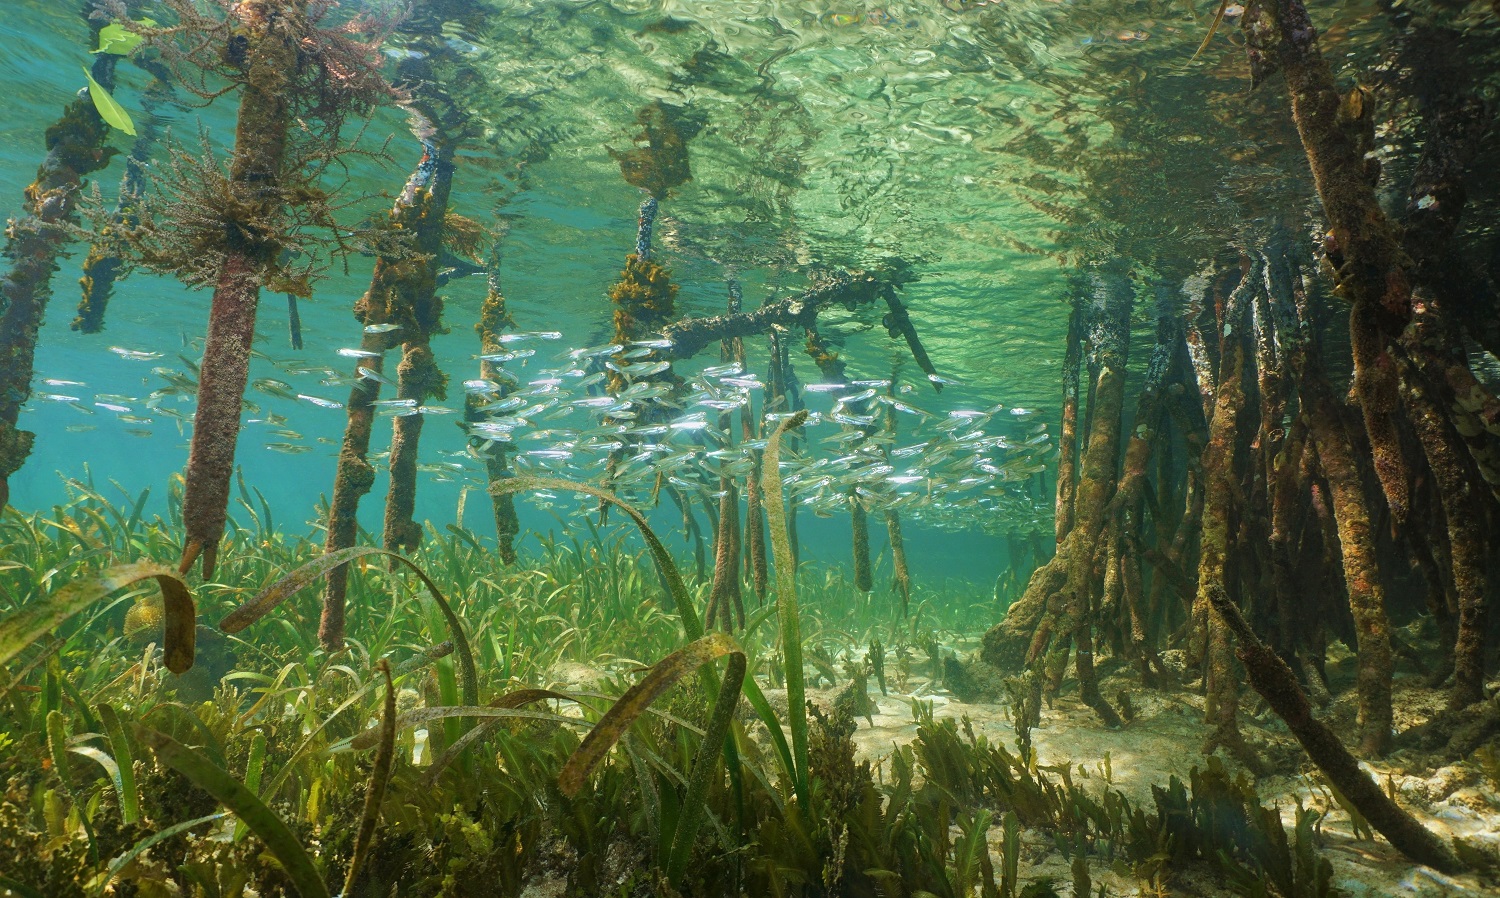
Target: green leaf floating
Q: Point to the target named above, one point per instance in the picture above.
(112, 112)
(116, 40)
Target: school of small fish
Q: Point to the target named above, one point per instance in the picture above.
(866, 441)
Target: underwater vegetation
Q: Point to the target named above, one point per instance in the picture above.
(115, 768)
(1273, 489)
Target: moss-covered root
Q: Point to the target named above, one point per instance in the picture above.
(260, 148)
(1337, 133)
(418, 376)
(397, 277)
(494, 318)
(859, 525)
(75, 148)
(901, 578)
(1275, 682)
(1067, 440)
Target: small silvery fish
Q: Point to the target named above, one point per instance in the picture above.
(134, 355)
(348, 353)
(825, 388)
(54, 382)
(319, 401)
(112, 407)
(383, 328)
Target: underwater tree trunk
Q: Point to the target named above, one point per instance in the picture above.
(75, 148)
(418, 376)
(1221, 485)
(1337, 133)
(1056, 600)
(1468, 526)
(1354, 520)
(1067, 440)
(387, 302)
(260, 147)
(1275, 682)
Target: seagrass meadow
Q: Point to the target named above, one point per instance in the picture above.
(690, 448)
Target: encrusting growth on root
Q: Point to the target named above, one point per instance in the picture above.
(75, 148)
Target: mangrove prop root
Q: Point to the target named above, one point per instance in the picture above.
(494, 318)
(1067, 441)
(75, 148)
(418, 375)
(901, 578)
(848, 289)
(1337, 133)
(1222, 482)
(1059, 593)
(859, 525)
(1274, 681)
(1467, 530)
(260, 150)
(387, 301)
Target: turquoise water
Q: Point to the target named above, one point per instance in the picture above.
(992, 146)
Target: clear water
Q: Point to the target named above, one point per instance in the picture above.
(992, 145)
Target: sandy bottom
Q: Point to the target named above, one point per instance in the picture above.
(1165, 739)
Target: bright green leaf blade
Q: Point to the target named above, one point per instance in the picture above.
(283, 589)
(117, 41)
(233, 795)
(112, 112)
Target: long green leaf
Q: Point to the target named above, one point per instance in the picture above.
(233, 795)
(119, 743)
(680, 596)
(695, 800)
(112, 112)
(786, 601)
(370, 737)
(283, 589)
(517, 699)
(630, 706)
(380, 775)
(179, 617)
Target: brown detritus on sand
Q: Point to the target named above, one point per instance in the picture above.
(75, 148)
(1274, 681)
